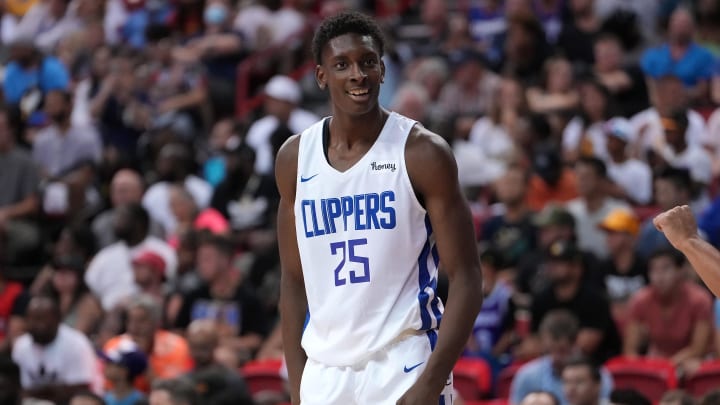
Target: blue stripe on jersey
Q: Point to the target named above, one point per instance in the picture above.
(432, 337)
(442, 400)
(307, 320)
(426, 281)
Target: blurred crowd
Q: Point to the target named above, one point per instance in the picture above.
(138, 255)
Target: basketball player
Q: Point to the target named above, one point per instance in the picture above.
(680, 228)
(370, 202)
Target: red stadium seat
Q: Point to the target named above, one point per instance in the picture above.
(263, 376)
(504, 381)
(651, 377)
(706, 379)
(472, 378)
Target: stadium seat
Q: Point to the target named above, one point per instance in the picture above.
(650, 376)
(707, 378)
(504, 381)
(263, 376)
(472, 378)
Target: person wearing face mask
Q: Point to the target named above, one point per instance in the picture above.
(219, 48)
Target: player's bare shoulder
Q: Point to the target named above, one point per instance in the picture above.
(428, 157)
(286, 166)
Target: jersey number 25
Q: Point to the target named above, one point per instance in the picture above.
(348, 254)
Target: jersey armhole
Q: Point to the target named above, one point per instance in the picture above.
(418, 199)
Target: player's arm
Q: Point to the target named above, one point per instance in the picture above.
(680, 227)
(433, 173)
(293, 302)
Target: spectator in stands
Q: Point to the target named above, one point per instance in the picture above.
(47, 22)
(540, 398)
(677, 397)
(168, 354)
(559, 332)
(629, 396)
(471, 87)
(87, 398)
(513, 231)
(525, 48)
(149, 275)
(61, 147)
(593, 205)
(87, 89)
(672, 316)
(625, 270)
(677, 152)
(247, 198)
(19, 201)
(174, 166)
(13, 300)
(582, 382)
(45, 352)
(28, 71)
(710, 398)
(412, 101)
(178, 391)
(579, 34)
(188, 216)
(204, 341)
(667, 95)
(492, 131)
(492, 331)
(554, 223)
(225, 135)
(681, 56)
(672, 189)
(224, 298)
(584, 134)
(551, 181)
(282, 109)
(631, 179)
(126, 187)
(557, 92)
(625, 82)
(79, 309)
(598, 336)
(122, 365)
(110, 276)
(430, 73)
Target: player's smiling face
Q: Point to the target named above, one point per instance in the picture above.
(352, 70)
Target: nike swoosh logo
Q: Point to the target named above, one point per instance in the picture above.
(409, 369)
(304, 179)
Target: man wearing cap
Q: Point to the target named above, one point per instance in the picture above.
(282, 100)
(149, 272)
(632, 178)
(123, 364)
(625, 271)
(598, 336)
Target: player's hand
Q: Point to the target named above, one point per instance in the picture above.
(419, 394)
(678, 225)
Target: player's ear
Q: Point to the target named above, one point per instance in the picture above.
(320, 77)
(382, 71)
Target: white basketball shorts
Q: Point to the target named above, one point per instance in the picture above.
(382, 379)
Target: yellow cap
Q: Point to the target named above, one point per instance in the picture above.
(621, 220)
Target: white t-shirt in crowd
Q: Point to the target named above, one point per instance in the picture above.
(492, 139)
(157, 200)
(573, 132)
(650, 119)
(68, 360)
(110, 276)
(590, 237)
(634, 176)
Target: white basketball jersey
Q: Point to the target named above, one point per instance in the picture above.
(367, 249)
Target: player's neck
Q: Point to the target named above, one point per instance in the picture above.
(351, 128)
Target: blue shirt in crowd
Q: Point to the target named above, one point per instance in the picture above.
(695, 65)
(51, 75)
(111, 399)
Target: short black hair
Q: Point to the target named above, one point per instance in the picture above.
(582, 361)
(678, 176)
(138, 213)
(181, 390)
(596, 164)
(628, 396)
(221, 243)
(351, 22)
(673, 254)
(560, 324)
(91, 396)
